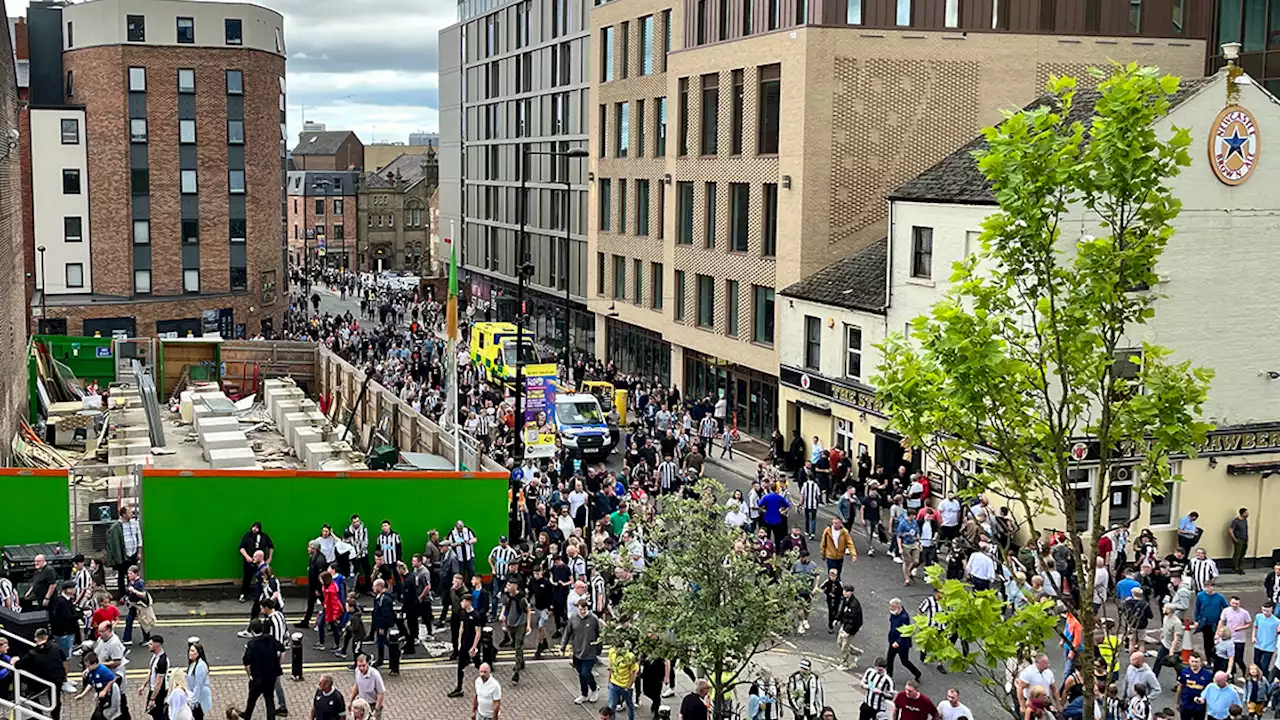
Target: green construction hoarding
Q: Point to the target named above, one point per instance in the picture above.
(37, 507)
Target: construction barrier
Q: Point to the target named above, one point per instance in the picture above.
(36, 507)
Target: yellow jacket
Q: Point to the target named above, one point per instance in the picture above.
(834, 547)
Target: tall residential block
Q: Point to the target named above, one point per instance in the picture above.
(741, 145)
(157, 167)
(513, 82)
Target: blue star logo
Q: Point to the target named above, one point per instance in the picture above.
(1235, 143)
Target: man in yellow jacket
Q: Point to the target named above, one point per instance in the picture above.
(836, 544)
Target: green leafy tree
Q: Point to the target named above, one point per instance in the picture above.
(705, 599)
(1032, 346)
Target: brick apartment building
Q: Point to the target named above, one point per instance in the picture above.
(13, 306)
(741, 145)
(328, 150)
(156, 167)
(322, 223)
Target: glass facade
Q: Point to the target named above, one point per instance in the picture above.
(752, 395)
(496, 300)
(634, 349)
(1256, 25)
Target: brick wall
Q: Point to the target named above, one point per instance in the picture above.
(306, 217)
(101, 86)
(13, 313)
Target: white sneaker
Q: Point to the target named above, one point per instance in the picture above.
(593, 696)
(68, 687)
(898, 560)
(915, 572)
(800, 629)
(244, 634)
(668, 691)
(580, 699)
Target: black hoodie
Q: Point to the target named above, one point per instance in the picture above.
(45, 662)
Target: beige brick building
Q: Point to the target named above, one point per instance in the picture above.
(740, 145)
(395, 217)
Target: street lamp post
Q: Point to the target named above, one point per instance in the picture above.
(44, 291)
(575, 153)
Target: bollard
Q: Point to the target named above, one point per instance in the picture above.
(393, 639)
(295, 644)
(488, 651)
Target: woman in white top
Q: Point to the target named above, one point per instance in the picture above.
(179, 699)
(198, 682)
(578, 501)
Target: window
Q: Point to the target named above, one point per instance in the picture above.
(72, 229)
(141, 232)
(186, 31)
(775, 14)
(70, 88)
(701, 32)
(646, 45)
(640, 128)
(188, 181)
(600, 273)
(319, 206)
(770, 108)
(239, 278)
(71, 37)
(191, 231)
(952, 13)
(135, 28)
(235, 181)
(802, 12)
(683, 119)
(684, 213)
(186, 80)
(710, 114)
(237, 230)
(604, 132)
(660, 121)
(853, 12)
(666, 37)
(731, 307)
(709, 217)
(235, 34)
(680, 296)
(706, 301)
(852, 351)
(739, 212)
(922, 252)
(279, 43)
(70, 182)
(1177, 29)
(770, 220)
(140, 181)
(235, 132)
(1135, 15)
(735, 115)
(142, 282)
(138, 130)
(637, 282)
(235, 82)
(622, 206)
(762, 314)
(187, 131)
(621, 129)
(812, 343)
(1162, 505)
(903, 14)
(337, 209)
(191, 281)
(75, 275)
(747, 6)
(1000, 14)
(642, 207)
(655, 285)
(137, 79)
(70, 131)
(1127, 370)
(662, 211)
(605, 222)
(619, 277)
(626, 49)
(606, 54)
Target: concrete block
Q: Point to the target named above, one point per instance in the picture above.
(217, 424)
(223, 439)
(296, 421)
(317, 453)
(231, 458)
(133, 431)
(273, 395)
(284, 407)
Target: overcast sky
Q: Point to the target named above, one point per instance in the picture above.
(381, 53)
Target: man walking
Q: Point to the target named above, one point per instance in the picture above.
(517, 621)
(500, 559)
(357, 535)
(64, 622)
(1203, 570)
(261, 662)
(463, 543)
(805, 694)
(836, 544)
(879, 686)
(275, 626)
(810, 496)
(899, 644)
(488, 699)
(911, 704)
(384, 618)
(583, 634)
(624, 667)
(773, 507)
(1239, 532)
(156, 688)
(469, 642)
(124, 546)
(315, 565)
(1209, 607)
(369, 686)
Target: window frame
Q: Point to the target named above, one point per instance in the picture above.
(67, 235)
(732, 314)
(141, 74)
(139, 272)
(761, 296)
(921, 257)
(145, 224)
(186, 288)
(135, 25)
(239, 34)
(705, 291)
(75, 130)
(183, 137)
(178, 36)
(239, 86)
(66, 275)
(72, 174)
(812, 343)
(852, 354)
(186, 89)
(195, 182)
(231, 186)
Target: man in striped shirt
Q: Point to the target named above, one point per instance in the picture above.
(810, 496)
(358, 535)
(389, 544)
(1203, 570)
(879, 687)
(668, 474)
(500, 559)
(275, 626)
(462, 543)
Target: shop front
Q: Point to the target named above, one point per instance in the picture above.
(498, 300)
(752, 395)
(633, 349)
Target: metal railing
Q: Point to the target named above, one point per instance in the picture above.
(28, 707)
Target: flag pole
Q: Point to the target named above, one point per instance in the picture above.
(452, 327)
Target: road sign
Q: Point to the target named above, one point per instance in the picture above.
(1079, 451)
(517, 474)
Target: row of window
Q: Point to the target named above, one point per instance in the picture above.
(321, 206)
(852, 347)
(184, 31)
(740, 202)
(646, 40)
(762, 298)
(186, 81)
(339, 231)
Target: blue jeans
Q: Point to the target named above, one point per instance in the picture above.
(495, 593)
(65, 642)
(837, 565)
(586, 681)
(619, 695)
(811, 521)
